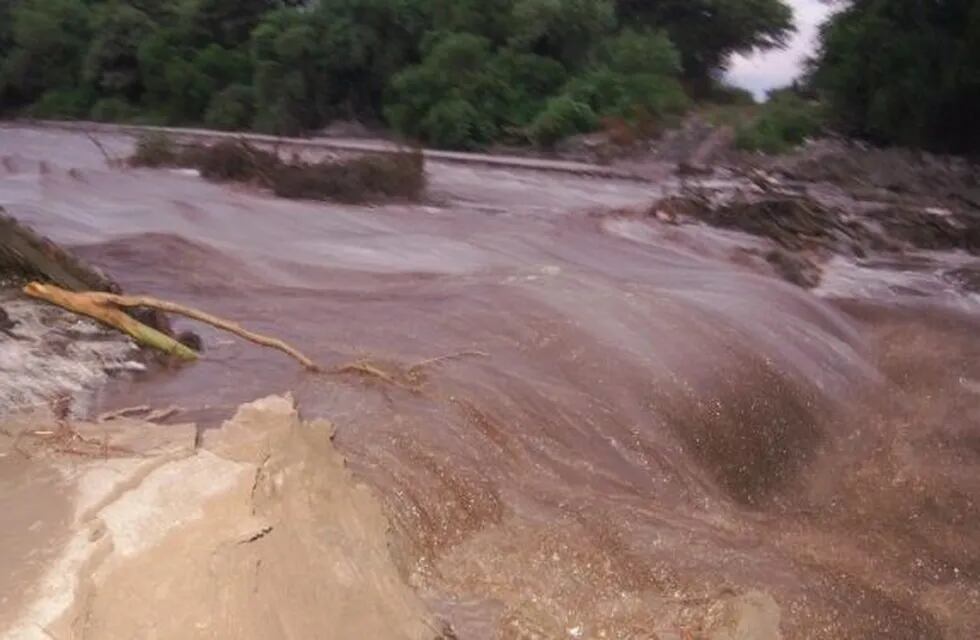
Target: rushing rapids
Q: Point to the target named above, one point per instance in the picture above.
(634, 433)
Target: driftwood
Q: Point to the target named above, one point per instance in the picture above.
(87, 305)
(107, 308)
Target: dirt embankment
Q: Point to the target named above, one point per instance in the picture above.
(260, 532)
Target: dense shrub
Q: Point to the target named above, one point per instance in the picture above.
(562, 117)
(456, 124)
(62, 103)
(112, 110)
(727, 95)
(400, 175)
(904, 72)
(635, 75)
(453, 73)
(233, 160)
(155, 150)
(232, 109)
(707, 32)
(783, 123)
(454, 98)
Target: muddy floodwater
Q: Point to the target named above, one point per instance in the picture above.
(595, 425)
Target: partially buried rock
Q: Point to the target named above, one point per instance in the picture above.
(191, 340)
(153, 318)
(6, 324)
(966, 277)
(794, 268)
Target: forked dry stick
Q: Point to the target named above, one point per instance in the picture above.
(107, 308)
(110, 159)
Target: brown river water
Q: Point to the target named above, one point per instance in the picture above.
(635, 436)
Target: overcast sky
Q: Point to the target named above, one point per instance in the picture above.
(761, 72)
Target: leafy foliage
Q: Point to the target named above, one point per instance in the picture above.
(231, 109)
(782, 123)
(708, 32)
(565, 30)
(62, 103)
(921, 85)
(635, 76)
(112, 110)
(562, 116)
(112, 64)
(453, 73)
(451, 98)
(48, 41)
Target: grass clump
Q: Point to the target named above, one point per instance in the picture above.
(61, 103)
(782, 124)
(155, 150)
(112, 110)
(400, 174)
(232, 161)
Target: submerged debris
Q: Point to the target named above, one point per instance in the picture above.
(794, 268)
(806, 231)
(363, 179)
(6, 324)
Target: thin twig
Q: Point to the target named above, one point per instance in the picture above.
(123, 413)
(111, 160)
(161, 414)
(368, 369)
(450, 356)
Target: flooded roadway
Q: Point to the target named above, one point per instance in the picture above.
(640, 438)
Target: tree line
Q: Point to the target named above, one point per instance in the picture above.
(468, 73)
(452, 73)
(903, 72)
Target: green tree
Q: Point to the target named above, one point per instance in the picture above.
(921, 86)
(708, 32)
(112, 62)
(48, 39)
(288, 73)
(231, 109)
(228, 23)
(561, 117)
(491, 19)
(362, 44)
(634, 76)
(6, 33)
(456, 73)
(528, 81)
(466, 95)
(565, 30)
(452, 98)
